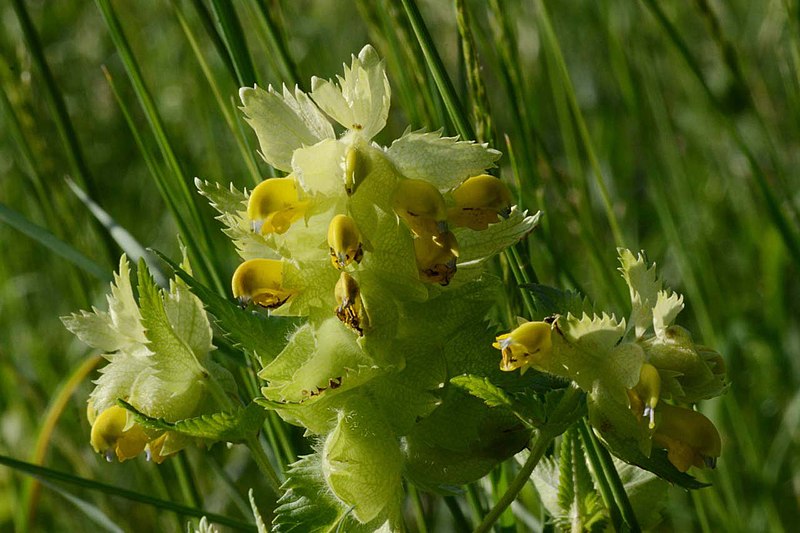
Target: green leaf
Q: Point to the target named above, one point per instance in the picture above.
(550, 301)
(443, 161)
(476, 246)
(308, 506)
(259, 335)
(579, 504)
(283, 123)
(262, 527)
(230, 426)
(646, 492)
(484, 389)
(363, 463)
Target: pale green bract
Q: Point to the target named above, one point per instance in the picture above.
(366, 397)
(158, 351)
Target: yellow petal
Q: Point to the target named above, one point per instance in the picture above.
(436, 257)
(479, 201)
(259, 280)
(344, 241)
(689, 437)
(109, 435)
(275, 204)
(421, 206)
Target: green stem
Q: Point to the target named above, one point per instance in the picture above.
(602, 483)
(419, 511)
(538, 447)
(617, 488)
(556, 425)
(261, 459)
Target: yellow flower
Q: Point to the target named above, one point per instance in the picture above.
(344, 241)
(689, 438)
(644, 397)
(260, 280)
(421, 206)
(351, 308)
(525, 346)
(113, 435)
(479, 201)
(274, 205)
(436, 257)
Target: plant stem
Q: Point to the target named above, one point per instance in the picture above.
(538, 447)
(557, 423)
(261, 459)
(609, 472)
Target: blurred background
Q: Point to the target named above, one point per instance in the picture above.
(669, 127)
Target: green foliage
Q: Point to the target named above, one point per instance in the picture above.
(227, 426)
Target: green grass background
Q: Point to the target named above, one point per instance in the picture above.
(669, 127)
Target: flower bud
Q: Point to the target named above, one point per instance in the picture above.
(260, 280)
(350, 309)
(421, 206)
(699, 372)
(525, 346)
(353, 170)
(274, 205)
(436, 257)
(479, 200)
(689, 438)
(110, 436)
(647, 392)
(344, 241)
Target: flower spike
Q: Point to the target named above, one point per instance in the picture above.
(274, 205)
(344, 241)
(260, 280)
(479, 201)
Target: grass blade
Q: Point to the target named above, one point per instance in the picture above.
(45, 473)
(53, 243)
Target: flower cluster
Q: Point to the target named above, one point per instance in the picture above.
(380, 251)
(159, 362)
(628, 381)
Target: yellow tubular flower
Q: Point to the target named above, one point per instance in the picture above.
(436, 257)
(154, 448)
(350, 309)
(648, 391)
(689, 438)
(274, 205)
(525, 346)
(421, 206)
(260, 280)
(479, 201)
(109, 436)
(344, 241)
(353, 170)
